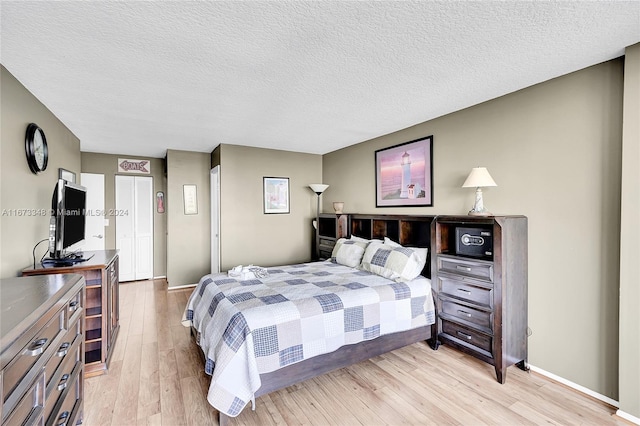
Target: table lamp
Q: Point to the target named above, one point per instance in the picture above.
(478, 178)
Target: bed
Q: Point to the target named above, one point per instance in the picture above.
(262, 334)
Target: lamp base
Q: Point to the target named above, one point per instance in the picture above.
(475, 213)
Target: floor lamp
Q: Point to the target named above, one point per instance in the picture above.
(318, 188)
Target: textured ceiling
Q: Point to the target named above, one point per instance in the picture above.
(139, 78)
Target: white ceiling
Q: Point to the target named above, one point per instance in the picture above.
(139, 78)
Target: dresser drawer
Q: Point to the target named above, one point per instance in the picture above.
(69, 404)
(29, 410)
(63, 379)
(470, 268)
(30, 354)
(467, 336)
(73, 309)
(467, 314)
(467, 291)
(68, 344)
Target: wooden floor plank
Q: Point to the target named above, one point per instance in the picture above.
(158, 379)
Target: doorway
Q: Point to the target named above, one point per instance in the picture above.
(95, 217)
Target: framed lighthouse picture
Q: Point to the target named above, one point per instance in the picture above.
(404, 174)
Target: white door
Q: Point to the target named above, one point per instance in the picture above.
(95, 217)
(134, 227)
(215, 220)
(143, 228)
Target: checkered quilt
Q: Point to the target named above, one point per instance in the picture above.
(256, 326)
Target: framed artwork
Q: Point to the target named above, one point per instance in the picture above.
(66, 175)
(190, 195)
(276, 195)
(404, 174)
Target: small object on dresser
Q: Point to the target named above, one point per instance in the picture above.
(338, 207)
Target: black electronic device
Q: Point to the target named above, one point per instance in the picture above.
(67, 223)
(474, 242)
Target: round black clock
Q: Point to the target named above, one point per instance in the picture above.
(35, 145)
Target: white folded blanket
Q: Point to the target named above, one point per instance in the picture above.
(243, 273)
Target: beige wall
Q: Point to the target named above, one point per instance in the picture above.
(630, 235)
(107, 164)
(554, 150)
(19, 188)
(188, 236)
(248, 236)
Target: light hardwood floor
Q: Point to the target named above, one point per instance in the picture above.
(156, 377)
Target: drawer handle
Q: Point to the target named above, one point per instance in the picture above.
(64, 348)
(465, 313)
(36, 347)
(62, 419)
(73, 305)
(63, 381)
(463, 268)
(465, 335)
(464, 291)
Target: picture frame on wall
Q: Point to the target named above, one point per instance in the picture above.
(66, 175)
(190, 195)
(404, 174)
(276, 195)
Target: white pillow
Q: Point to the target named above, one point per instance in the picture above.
(396, 263)
(348, 252)
(388, 241)
(363, 240)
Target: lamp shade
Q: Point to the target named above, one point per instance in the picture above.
(479, 177)
(318, 188)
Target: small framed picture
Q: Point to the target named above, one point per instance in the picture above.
(66, 175)
(190, 194)
(276, 195)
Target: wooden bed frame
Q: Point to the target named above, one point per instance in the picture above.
(376, 226)
(342, 357)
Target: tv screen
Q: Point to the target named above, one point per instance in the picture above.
(74, 218)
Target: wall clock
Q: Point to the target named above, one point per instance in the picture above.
(35, 145)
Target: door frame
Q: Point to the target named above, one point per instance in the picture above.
(215, 219)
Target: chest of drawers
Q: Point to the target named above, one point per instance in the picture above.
(42, 350)
(482, 301)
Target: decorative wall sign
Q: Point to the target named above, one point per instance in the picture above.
(404, 174)
(160, 201)
(276, 195)
(127, 165)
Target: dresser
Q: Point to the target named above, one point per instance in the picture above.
(42, 349)
(479, 273)
(102, 309)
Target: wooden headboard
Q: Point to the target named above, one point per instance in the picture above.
(410, 231)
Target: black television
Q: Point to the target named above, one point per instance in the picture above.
(67, 223)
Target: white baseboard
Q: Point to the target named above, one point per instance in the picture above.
(576, 386)
(628, 417)
(160, 277)
(178, 287)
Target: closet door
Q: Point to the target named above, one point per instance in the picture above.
(125, 232)
(134, 226)
(143, 224)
